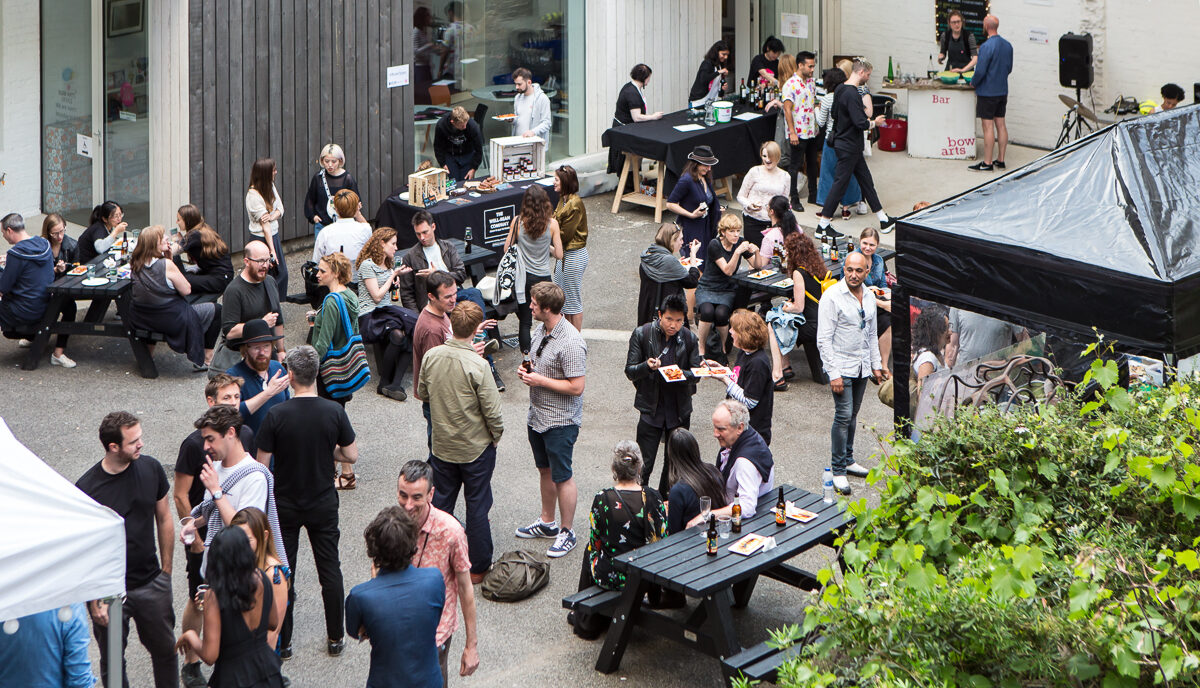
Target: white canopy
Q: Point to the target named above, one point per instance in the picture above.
(59, 546)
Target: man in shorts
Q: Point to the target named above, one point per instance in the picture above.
(991, 93)
(555, 414)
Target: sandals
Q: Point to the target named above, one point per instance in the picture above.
(788, 373)
(845, 212)
(781, 384)
(346, 481)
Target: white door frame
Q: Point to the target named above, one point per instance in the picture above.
(99, 102)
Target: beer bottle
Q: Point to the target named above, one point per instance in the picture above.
(468, 240)
(781, 510)
(527, 363)
(735, 521)
(833, 251)
(711, 543)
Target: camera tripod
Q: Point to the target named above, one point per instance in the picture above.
(1076, 118)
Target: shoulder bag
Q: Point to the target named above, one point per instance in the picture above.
(330, 209)
(344, 371)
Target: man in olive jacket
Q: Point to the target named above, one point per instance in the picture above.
(664, 405)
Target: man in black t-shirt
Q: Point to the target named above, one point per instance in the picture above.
(307, 435)
(252, 296)
(189, 492)
(135, 486)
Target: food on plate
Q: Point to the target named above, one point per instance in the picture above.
(748, 544)
(505, 118)
(702, 372)
(78, 270)
(719, 370)
(785, 283)
(488, 185)
(762, 274)
(793, 511)
(671, 373)
(691, 262)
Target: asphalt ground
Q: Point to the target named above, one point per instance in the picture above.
(56, 413)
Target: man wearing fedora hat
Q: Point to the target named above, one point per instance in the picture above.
(266, 380)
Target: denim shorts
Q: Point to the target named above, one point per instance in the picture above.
(553, 449)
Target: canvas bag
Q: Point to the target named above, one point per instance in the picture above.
(515, 576)
(344, 371)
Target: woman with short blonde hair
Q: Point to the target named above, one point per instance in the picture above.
(332, 177)
(717, 290)
(760, 185)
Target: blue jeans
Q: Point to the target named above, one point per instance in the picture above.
(459, 166)
(476, 297)
(282, 280)
(317, 227)
(845, 418)
(475, 479)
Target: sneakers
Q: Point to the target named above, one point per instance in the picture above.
(24, 343)
(191, 677)
(61, 361)
(845, 212)
(565, 542)
(540, 529)
(492, 346)
(397, 392)
(999, 164)
(496, 377)
(886, 226)
(841, 485)
(829, 232)
(286, 653)
(861, 208)
(857, 470)
(981, 167)
(336, 647)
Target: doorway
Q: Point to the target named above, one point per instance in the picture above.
(746, 25)
(95, 108)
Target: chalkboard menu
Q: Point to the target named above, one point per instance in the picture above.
(973, 12)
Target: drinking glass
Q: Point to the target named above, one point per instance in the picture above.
(724, 526)
(200, 591)
(705, 508)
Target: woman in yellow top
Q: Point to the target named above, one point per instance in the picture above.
(572, 224)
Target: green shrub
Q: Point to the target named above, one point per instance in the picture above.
(1038, 548)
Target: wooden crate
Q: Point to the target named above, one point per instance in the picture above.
(517, 158)
(427, 186)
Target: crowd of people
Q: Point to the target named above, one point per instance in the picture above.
(276, 444)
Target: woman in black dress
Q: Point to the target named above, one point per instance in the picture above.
(105, 226)
(211, 268)
(806, 268)
(707, 85)
(238, 611)
(631, 107)
(663, 271)
(65, 251)
(694, 200)
(751, 382)
(717, 292)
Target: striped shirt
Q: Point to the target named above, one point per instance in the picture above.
(563, 355)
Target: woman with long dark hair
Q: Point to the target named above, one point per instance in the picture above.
(160, 304)
(539, 244)
(254, 523)
(65, 253)
(383, 322)
(931, 333)
(783, 224)
(239, 610)
(264, 207)
(691, 478)
(707, 86)
(211, 268)
(573, 229)
(694, 200)
(105, 226)
(794, 322)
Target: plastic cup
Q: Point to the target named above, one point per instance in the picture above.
(184, 522)
(200, 591)
(724, 526)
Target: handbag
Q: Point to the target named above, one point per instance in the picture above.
(330, 209)
(515, 576)
(344, 371)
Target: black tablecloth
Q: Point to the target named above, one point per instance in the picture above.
(488, 216)
(735, 143)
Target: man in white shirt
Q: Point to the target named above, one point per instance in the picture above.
(531, 107)
(745, 461)
(849, 346)
(345, 234)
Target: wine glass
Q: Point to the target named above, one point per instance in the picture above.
(705, 508)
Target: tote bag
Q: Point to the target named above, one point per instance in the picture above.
(344, 371)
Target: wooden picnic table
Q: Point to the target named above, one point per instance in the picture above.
(720, 583)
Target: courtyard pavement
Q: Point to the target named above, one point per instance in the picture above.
(56, 412)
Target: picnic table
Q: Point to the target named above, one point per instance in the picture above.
(769, 286)
(118, 290)
(721, 583)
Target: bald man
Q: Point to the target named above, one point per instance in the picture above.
(251, 296)
(849, 346)
(991, 93)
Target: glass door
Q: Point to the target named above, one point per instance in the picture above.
(126, 143)
(72, 174)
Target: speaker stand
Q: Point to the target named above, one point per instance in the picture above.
(1073, 121)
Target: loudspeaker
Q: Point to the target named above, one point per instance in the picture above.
(1075, 60)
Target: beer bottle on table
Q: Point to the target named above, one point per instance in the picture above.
(833, 251)
(711, 539)
(735, 520)
(781, 510)
(467, 238)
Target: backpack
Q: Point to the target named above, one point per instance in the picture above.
(515, 576)
(826, 282)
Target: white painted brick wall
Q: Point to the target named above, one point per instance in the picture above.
(1139, 45)
(20, 111)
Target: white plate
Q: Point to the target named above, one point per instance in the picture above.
(95, 282)
(404, 196)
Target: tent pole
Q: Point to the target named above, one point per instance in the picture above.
(116, 651)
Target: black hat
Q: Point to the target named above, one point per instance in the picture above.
(703, 155)
(253, 332)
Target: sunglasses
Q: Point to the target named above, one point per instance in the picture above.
(862, 319)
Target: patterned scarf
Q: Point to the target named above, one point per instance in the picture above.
(208, 512)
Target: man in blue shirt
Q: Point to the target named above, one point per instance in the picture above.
(266, 382)
(398, 610)
(47, 651)
(991, 92)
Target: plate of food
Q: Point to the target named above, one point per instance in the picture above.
(763, 274)
(795, 512)
(78, 270)
(505, 118)
(702, 372)
(691, 262)
(719, 370)
(881, 293)
(785, 283)
(672, 373)
(749, 544)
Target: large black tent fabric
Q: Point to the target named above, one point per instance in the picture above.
(1102, 233)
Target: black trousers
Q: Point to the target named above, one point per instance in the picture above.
(67, 313)
(320, 519)
(754, 227)
(808, 152)
(150, 607)
(648, 438)
(850, 162)
(525, 312)
(474, 478)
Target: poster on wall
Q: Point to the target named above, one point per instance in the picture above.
(794, 25)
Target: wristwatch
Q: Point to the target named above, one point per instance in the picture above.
(218, 494)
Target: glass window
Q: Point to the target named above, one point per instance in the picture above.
(126, 110)
(66, 109)
(464, 54)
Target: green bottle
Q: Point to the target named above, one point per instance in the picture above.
(891, 76)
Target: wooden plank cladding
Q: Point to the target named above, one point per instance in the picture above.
(280, 79)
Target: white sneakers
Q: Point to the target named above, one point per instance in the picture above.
(861, 208)
(857, 470)
(841, 485)
(24, 343)
(61, 361)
